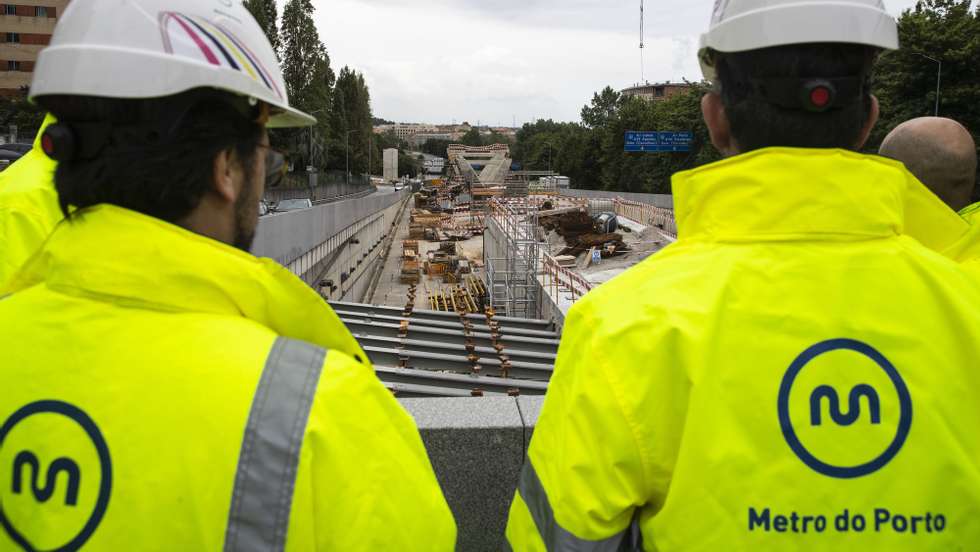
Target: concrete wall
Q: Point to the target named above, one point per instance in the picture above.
(353, 264)
(660, 200)
(477, 447)
(292, 238)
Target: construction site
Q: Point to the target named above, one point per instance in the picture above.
(480, 270)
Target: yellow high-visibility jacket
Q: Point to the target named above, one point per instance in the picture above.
(967, 250)
(930, 221)
(163, 391)
(971, 213)
(793, 373)
(28, 207)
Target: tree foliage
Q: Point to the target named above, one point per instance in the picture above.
(350, 122)
(591, 153)
(905, 81)
(267, 15)
(436, 147)
(18, 111)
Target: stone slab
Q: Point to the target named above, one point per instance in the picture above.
(530, 409)
(476, 446)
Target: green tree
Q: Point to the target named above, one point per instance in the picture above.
(592, 153)
(267, 15)
(309, 78)
(604, 106)
(905, 81)
(436, 147)
(351, 122)
(18, 111)
(472, 138)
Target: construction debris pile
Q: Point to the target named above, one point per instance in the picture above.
(582, 234)
(440, 225)
(426, 225)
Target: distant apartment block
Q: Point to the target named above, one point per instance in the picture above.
(656, 92)
(25, 28)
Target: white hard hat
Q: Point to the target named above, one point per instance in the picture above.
(154, 48)
(741, 25)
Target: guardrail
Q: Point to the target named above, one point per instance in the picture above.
(562, 280)
(323, 193)
(649, 215)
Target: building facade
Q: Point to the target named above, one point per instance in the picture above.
(25, 28)
(657, 92)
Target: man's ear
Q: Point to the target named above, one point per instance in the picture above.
(719, 127)
(869, 124)
(224, 181)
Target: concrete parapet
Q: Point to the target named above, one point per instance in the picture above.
(477, 446)
(286, 237)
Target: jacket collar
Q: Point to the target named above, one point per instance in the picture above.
(793, 193)
(971, 213)
(121, 256)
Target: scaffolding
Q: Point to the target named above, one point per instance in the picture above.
(512, 266)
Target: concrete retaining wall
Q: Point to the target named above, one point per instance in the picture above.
(660, 200)
(286, 237)
(477, 447)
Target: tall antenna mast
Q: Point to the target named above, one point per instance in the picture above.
(641, 43)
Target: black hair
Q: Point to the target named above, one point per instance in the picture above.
(164, 174)
(756, 123)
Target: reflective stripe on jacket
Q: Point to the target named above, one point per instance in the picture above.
(792, 374)
(28, 207)
(163, 391)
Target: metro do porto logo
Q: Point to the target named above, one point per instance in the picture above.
(55, 467)
(855, 420)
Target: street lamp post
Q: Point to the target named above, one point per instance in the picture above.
(347, 153)
(939, 76)
(311, 134)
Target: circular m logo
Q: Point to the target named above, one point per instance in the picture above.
(844, 409)
(55, 476)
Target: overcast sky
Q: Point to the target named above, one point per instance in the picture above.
(497, 61)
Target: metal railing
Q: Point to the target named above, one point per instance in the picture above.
(648, 215)
(561, 280)
(321, 187)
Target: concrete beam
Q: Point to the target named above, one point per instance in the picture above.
(436, 316)
(464, 383)
(423, 333)
(420, 346)
(457, 363)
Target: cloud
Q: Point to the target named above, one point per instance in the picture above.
(496, 61)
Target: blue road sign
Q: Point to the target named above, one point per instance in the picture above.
(643, 141)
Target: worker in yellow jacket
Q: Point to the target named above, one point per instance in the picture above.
(794, 373)
(942, 154)
(28, 206)
(162, 388)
